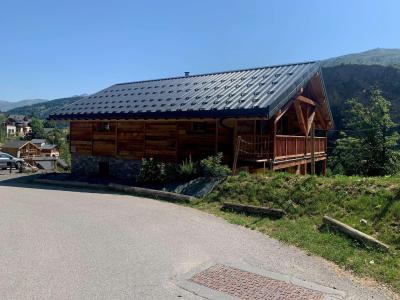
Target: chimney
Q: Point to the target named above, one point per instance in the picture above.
(187, 74)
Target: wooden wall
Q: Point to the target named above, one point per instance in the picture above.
(167, 141)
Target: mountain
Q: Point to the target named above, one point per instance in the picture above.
(7, 105)
(354, 81)
(378, 56)
(43, 109)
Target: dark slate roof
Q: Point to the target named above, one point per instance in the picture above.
(38, 141)
(250, 92)
(19, 118)
(48, 147)
(14, 144)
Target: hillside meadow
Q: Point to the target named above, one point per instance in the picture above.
(371, 205)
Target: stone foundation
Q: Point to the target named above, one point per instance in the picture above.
(86, 165)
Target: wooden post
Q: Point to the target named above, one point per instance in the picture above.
(274, 141)
(216, 136)
(234, 138)
(306, 139)
(303, 169)
(92, 124)
(145, 139)
(116, 139)
(236, 155)
(312, 148)
(324, 167)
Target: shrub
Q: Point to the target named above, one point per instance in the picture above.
(151, 171)
(171, 173)
(212, 166)
(188, 169)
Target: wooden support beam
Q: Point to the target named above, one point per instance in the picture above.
(310, 121)
(306, 100)
(282, 111)
(300, 117)
(312, 148)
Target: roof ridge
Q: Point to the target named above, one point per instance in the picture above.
(219, 72)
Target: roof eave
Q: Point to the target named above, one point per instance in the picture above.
(217, 114)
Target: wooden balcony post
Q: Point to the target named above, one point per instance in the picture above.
(312, 148)
(286, 148)
(324, 167)
(216, 135)
(236, 155)
(274, 140)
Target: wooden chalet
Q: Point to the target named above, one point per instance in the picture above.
(21, 149)
(259, 118)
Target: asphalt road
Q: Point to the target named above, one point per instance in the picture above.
(57, 244)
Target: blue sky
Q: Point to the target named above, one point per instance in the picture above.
(52, 49)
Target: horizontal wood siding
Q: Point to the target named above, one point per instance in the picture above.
(81, 137)
(225, 143)
(160, 141)
(196, 139)
(179, 140)
(104, 140)
(130, 140)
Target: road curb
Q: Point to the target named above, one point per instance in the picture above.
(138, 191)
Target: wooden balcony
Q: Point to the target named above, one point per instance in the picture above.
(297, 146)
(262, 148)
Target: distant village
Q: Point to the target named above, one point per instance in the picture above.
(38, 152)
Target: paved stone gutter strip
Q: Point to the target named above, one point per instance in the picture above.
(251, 209)
(150, 193)
(246, 285)
(227, 281)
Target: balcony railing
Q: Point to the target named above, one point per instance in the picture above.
(288, 146)
(254, 147)
(259, 147)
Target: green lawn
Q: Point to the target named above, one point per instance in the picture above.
(306, 199)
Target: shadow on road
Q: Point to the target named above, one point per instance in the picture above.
(26, 181)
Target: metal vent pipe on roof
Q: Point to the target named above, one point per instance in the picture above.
(187, 74)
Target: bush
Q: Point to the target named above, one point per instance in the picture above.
(212, 166)
(188, 169)
(151, 171)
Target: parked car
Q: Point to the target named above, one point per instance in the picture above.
(6, 159)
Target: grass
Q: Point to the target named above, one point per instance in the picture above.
(306, 199)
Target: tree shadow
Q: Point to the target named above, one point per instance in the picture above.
(27, 181)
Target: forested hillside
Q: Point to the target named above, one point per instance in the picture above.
(379, 56)
(44, 109)
(354, 81)
(8, 105)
